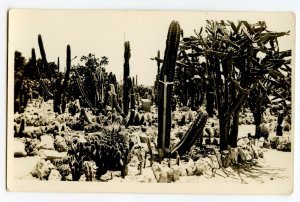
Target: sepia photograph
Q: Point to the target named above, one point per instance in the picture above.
(150, 101)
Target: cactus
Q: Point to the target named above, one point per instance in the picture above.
(279, 122)
(44, 58)
(132, 95)
(193, 134)
(59, 88)
(126, 79)
(165, 86)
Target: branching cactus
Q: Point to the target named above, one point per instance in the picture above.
(165, 86)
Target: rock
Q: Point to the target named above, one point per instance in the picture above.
(243, 142)
(65, 171)
(202, 167)
(250, 150)
(255, 151)
(148, 175)
(264, 131)
(146, 105)
(260, 153)
(47, 142)
(248, 154)
(214, 162)
(105, 177)
(19, 149)
(190, 168)
(225, 158)
(143, 137)
(170, 174)
(182, 170)
(160, 173)
(42, 169)
(267, 144)
(284, 144)
(274, 142)
(260, 142)
(60, 144)
(31, 146)
(81, 139)
(233, 153)
(51, 154)
(54, 175)
(82, 178)
(241, 155)
(176, 172)
(69, 177)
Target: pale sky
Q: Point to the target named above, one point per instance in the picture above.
(103, 33)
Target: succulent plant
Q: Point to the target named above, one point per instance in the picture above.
(165, 86)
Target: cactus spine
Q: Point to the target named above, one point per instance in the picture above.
(165, 86)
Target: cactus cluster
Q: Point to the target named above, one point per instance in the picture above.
(109, 150)
(98, 89)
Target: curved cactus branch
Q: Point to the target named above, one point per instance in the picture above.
(192, 135)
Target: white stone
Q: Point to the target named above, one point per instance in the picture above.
(54, 175)
(19, 149)
(47, 142)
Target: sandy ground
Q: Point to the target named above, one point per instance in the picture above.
(274, 167)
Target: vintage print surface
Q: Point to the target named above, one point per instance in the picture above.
(150, 101)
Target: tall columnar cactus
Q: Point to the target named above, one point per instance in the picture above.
(166, 85)
(44, 58)
(59, 88)
(126, 78)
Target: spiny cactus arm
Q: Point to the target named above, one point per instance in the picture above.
(41, 82)
(67, 73)
(81, 89)
(44, 58)
(192, 135)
